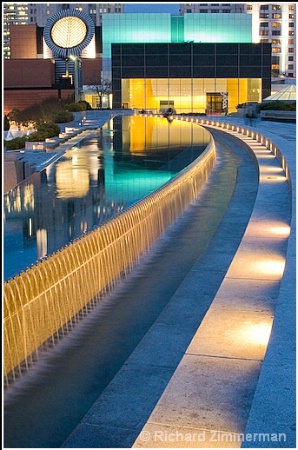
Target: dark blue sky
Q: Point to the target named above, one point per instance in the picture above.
(151, 7)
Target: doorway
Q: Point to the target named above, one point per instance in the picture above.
(216, 102)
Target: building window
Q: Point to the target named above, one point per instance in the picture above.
(276, 50)
(276, 16)
(264, 24)
(291, 58)
(291, 50)
(291, 7)
(291, 33)
(291, 66)
(291, 24)
(249, 8)
(275, 41)
(264, 41)
(290, 75)
(276, 7)
(291, 16)
(264, 7)
(276, 33)
(275, 24)
(291, 41)
(263, 15)
(264, 33)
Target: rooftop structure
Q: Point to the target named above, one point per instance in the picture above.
(288, 94)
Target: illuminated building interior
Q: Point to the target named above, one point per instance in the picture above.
(186, 94)
(206, 78)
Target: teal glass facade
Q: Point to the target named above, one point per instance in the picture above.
(158, 28)
(161, 28)
(132, 28)
(218, 28)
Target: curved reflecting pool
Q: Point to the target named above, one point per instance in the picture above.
(92, 182)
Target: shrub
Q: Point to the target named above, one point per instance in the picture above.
(43, 131)
(85, 105)
(38, 136)
(16, 143)
(63, 117)
(78, 106)
(277, 106)
(50, 128)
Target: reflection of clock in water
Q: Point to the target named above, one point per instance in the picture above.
(68, 32)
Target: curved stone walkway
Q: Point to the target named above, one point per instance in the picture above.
(210, 400)
(215, 394)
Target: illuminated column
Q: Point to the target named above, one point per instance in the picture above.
(77, 77)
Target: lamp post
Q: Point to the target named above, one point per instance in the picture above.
(77, 76)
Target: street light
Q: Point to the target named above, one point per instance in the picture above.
(77, 76)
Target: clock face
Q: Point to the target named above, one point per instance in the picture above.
(69, 32)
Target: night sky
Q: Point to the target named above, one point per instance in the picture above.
(152, 7)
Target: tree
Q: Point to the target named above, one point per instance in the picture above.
(6, 124)
(14, 115)
(103, 90)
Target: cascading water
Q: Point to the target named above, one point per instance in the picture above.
(47, 298)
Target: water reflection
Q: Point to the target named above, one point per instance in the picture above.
(94, 181)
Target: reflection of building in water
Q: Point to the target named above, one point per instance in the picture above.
(61, 203)
(155, 133)
(93, 182)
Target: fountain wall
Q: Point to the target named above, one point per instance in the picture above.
(48, 296)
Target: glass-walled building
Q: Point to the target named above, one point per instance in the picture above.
(204, 63)
(189, 77)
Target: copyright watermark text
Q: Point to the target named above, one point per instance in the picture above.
(209, 436)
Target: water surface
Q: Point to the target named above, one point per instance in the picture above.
(92, 182)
